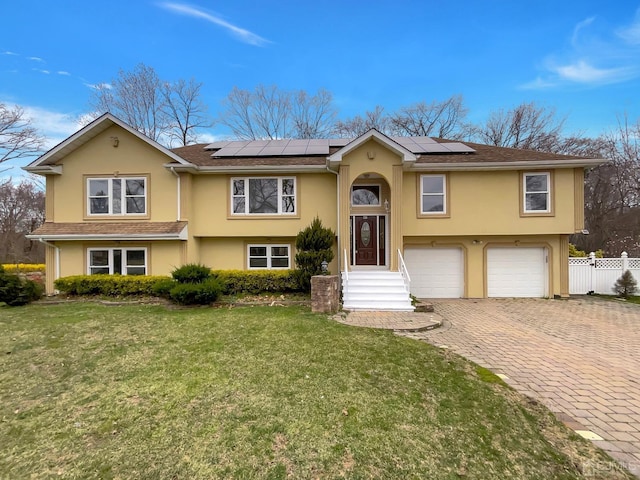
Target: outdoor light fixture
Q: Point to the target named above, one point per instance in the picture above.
(115, 141)
(386, 205)
(325, 267)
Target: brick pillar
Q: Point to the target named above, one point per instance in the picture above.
(325, 295)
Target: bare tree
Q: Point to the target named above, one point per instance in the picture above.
(18, 138)
(356, 126)
(442, 119)
(186, 111)
(21, 211)
(272, 113)
(526, 126)
(164, 111)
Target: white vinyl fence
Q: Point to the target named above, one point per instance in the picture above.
(597, 275)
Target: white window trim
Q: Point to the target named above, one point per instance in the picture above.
(123, 196)
(124, 256)
(367, 185)
(525, 192)
(443, 194)
(280, 196)
(268, 247)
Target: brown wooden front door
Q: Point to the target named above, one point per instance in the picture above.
(366, 240)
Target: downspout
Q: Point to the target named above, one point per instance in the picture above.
(339, 255)
(173, 170)
(57, 250)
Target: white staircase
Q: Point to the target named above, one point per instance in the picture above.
(375, 290)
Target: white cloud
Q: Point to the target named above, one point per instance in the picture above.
(55, 126)
(595, 58)
(96, 86)
(7, 52)
(62, 72)
(47, 72)
(631, 33)
(243, 35)
(35, 59)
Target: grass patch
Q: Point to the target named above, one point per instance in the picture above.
(146, 392)
(632, 299)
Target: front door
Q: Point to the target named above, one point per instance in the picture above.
(366, 239)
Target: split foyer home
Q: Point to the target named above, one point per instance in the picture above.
(443, 218)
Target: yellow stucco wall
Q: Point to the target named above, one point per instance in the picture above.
(211, 217)
(489, 203)
(97, 158)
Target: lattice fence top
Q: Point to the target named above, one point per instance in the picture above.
(579, 260)
(613, 263)
(633, 263)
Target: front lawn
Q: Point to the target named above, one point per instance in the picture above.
(147, 392)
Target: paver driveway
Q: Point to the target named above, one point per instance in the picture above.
(580, 357)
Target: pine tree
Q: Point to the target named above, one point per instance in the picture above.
(314, 245)
(626, 285)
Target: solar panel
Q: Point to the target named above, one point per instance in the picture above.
(293, 147)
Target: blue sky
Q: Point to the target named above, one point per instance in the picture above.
(581, 57)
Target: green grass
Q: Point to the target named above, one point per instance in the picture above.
(138, 391)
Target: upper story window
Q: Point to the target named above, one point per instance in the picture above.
(117, 196)
(537, 192)
(433, 194)
(365, 195)
(123, 261)
(263, 196)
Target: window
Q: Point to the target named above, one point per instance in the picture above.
(365, 195)
(537, 192)
(433, 191)
(117, 196)
(125, 261)
(263, 196)
(268, 256)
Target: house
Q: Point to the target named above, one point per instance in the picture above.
(456, 219)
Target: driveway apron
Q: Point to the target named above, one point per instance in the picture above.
(579, 357)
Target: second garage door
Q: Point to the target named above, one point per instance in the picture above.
(435, 272)
(516, 272)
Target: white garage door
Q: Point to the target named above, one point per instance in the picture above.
(435, 272)
(516, 272)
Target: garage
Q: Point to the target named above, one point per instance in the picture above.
(517, 272)
(435, 272)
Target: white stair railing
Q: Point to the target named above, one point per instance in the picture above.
(346, 265)
(402, 267)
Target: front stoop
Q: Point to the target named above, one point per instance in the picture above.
(375, 291)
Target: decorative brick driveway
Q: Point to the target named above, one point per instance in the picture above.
(580, 357)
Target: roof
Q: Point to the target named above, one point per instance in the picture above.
(46, 163)
(428, 156)
(111, 231)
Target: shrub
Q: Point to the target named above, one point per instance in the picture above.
(15, 291)
(24, 267)
(314, 245)
(162, 288)
(234, 282)
(191, 273)
(626, 285)
(108, 285)
(202, 293)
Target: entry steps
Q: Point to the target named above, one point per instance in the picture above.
(375, 290)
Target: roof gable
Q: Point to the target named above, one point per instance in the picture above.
(47, 162)
(381, 138)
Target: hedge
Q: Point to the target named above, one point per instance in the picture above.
(23, 267)
(232, 282)
(108, 285)
(257, 281)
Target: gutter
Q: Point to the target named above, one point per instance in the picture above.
(337, 174)
(57, 250)
(521, 165)
(173, 170)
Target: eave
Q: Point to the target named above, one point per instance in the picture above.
(520, 165)
(244, 169)
(110, 237)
